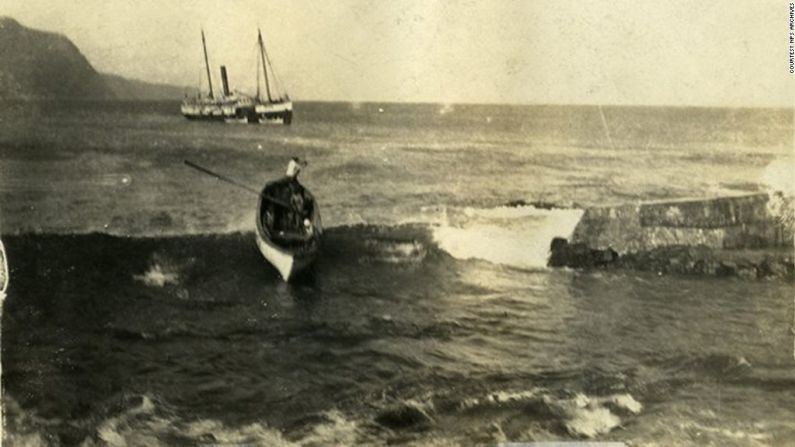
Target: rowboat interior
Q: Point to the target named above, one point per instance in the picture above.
(288, 216)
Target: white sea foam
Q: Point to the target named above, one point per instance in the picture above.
(779, 176)
(588, 416)
(219, 434)
(624, 402)
(582, 415)
(397, 252)
(513, 396)
(337, 431)
(518, 237)
(144, 424)
(21, 427)
(590, 422)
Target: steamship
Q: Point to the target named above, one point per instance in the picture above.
(238, 107)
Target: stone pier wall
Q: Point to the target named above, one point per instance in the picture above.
(707, 235)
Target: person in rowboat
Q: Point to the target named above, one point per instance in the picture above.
(297, 199)
(291, 222)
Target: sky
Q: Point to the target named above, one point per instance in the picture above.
(621, 52)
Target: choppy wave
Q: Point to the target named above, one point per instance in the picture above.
(143, 421)
(146, 420)
(149, 295)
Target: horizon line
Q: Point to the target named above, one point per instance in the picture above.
(439, 103)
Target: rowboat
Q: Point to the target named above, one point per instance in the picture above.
(289, 228)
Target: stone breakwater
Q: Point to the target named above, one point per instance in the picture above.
(747, 236)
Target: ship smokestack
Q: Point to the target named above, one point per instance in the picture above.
(224, 80)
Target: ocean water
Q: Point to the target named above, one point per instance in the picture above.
(140, 312)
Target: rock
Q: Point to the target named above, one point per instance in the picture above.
(747, 271)
(773, 268)
(727, 268)
(404, 416)
(705, 267)
(539, 204)
(676, 259)
(161, 220)
(604, 257)
(578, 255)
(557, 252)
(72, 434)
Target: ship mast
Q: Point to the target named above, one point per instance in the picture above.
(256, 67)
(207, 65)
(264, 65)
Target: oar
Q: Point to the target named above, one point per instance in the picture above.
(235, 183)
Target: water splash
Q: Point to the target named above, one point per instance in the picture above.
(156, 276)
(518, 237)
(163, 270)
(779, 176)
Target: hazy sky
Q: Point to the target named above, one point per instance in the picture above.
(732, 53)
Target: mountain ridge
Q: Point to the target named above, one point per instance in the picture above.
(37, 64)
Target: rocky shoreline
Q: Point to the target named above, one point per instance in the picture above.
(696, 260)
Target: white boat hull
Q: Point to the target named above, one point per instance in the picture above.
(3, 272)
(287, 264)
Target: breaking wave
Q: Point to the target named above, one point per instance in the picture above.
(517, 237)
(778, 176)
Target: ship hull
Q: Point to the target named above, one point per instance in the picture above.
(236, 107)
(274, 112)
(261, 113)
(233, 113)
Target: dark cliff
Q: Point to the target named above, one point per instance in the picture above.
(41, 65)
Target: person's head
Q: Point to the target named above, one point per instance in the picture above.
(293, 167)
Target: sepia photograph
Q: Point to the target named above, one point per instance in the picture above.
(436, 223)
